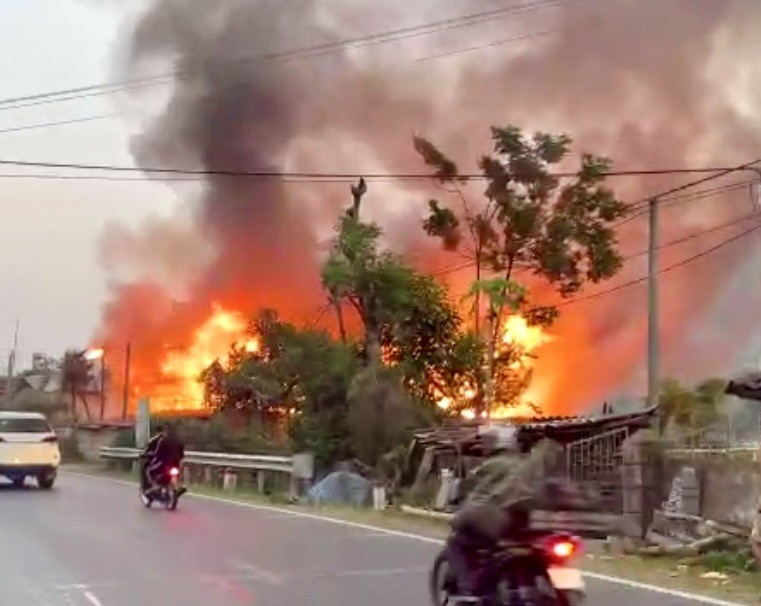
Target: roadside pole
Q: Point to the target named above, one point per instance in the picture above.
(102, 385)
(653, 345)
(143, 423)
(125, 394)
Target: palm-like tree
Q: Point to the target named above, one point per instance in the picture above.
(693, 409)
(76, 377)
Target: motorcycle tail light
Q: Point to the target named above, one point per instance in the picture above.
(174, 472)
(562, 548)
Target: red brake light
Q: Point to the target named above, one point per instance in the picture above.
(563, 549)
(174, 472)
(50, 439)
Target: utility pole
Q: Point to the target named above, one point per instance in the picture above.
(103, 385)
(653, 332)
(11, 364)
(125, 395)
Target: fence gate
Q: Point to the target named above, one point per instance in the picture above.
(598, 460)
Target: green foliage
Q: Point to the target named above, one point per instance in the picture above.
(426, 344)
(377, 284)
(559, 229)
(732, 562)
(218, 434)
(381, 414)
(690, 409)
(124, 438)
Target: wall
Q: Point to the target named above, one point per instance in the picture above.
(729, 489)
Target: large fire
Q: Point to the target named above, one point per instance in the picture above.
(182, 389)
(524, 339)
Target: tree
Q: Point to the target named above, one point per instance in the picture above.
(693, 410)
(381, 414)
(303, 373)
(76, 378)
(531, 220)
(377, 284)
(427, 346)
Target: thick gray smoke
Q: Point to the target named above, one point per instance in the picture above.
(655, 83)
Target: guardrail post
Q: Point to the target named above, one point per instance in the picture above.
(302, 473)
(143, 423)
(208, 476)
(379, 497)
(229, 480)
(261, 479)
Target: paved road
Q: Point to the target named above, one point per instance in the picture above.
(91, 543)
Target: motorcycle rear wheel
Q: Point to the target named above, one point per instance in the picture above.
(442, 583)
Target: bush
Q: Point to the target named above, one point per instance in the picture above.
(729, 562)
(125, 438)
(212, 435)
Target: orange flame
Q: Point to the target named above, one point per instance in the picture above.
(527, 339)
(182, 389)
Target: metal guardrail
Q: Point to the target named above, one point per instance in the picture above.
(212, 459)
(717, 450)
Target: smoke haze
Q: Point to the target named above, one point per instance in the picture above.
(652, 84)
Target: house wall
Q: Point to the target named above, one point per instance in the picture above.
(728, 489)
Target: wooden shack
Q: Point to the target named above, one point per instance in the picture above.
(460, 445)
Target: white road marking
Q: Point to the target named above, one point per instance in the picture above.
(90, 597)
(258, 574)
(674, 593)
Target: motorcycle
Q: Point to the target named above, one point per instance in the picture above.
(529, 570)
(169, 490)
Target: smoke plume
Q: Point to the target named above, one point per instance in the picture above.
(651, 84)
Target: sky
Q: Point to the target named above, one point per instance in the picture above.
(51, 281)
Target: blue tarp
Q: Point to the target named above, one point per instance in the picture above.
(342, 488)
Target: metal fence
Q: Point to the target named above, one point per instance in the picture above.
(266, 473)
(213, 459)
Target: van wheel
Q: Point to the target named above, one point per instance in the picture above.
(46, 481)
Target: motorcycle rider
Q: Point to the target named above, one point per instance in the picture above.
(148, 454)
(169, 453)
(499, 505)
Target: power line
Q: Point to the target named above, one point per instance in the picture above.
(309, 51)
(493, 44)
(664, 270)
(471, 264)
(14, 129)
(279, 174)
(695, 235)
(717, 175)
(445, 55)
